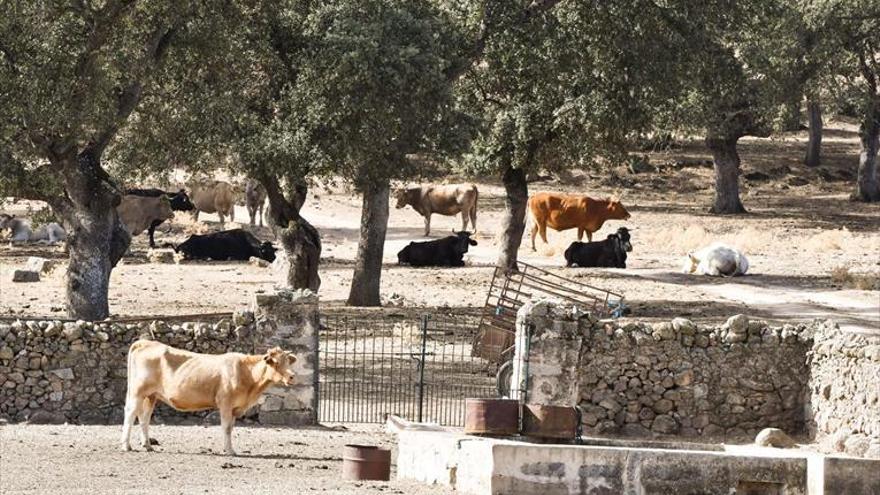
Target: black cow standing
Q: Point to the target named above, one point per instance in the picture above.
(448, 251)
(179, 202)
(609, 253)
(236, 244)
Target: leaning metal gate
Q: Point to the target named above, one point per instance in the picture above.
(417, 367)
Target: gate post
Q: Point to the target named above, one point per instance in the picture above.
(424, 328)
(289, 319)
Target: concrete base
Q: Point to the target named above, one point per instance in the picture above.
(483, 466)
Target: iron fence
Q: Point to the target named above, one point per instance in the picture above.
(417, 367)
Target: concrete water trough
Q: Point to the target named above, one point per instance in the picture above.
(514, 466)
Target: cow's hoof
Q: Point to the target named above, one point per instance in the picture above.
(126, 448)
(232, 453)
(148, 447)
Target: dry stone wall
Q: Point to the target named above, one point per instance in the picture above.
(845, 392)
(55, 372)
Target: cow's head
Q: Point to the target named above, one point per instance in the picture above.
(6, 221)
(623, 235)
(690, 263)
(464, 240)
(403, 255)
(278, 362)
(616, 210)
(267, 251)
(180, 201)
(401, 196)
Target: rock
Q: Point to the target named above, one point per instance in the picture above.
(63, 373)
(738, 324)
(39, 265)
(663, 406)
(260, 262)
(684, 326)
(664, 424)
(684, 378)
(610, 405)
(161, 256)
(47, 418)
(242, 317)
(857, 445)
(774, 437)
(25, 276)
(6, 353)
(635, 430)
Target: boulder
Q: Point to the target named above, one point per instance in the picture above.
(738, 324)
(664, 424)
(774, 437)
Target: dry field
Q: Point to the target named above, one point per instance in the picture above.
(70, 459)
(812, 251)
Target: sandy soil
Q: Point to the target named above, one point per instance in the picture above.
(794, 236)
(70, 459)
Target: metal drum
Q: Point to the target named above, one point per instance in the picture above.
(491, 416)
(366, 462)
(550, 421)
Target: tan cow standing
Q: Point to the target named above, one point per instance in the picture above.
(214, 197)
(567, 211)
(187, 381)
(447, 200)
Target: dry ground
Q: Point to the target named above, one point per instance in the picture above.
(69, 459)
(801, 228)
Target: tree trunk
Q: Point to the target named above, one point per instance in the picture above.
(368, 266)
(868, 187)
(726, 175)
(814, 145)
(97, 240)
(513, 224)
(300, 240)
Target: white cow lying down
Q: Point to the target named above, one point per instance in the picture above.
(717, 260)
(188, 381)
(20, 228)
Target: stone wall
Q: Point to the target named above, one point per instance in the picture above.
(76, 371)
(639, 379)
(845, 392)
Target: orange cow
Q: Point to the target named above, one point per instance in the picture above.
(563, 212)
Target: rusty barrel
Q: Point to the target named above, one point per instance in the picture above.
(550, 421)
(366, 462)
(491, 416)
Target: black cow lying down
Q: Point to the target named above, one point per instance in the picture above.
(448, 251)
(609, 253)
(236, 244)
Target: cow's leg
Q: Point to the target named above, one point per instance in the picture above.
(132, 407)
(152, 231)
(261, 215)
(534, 233)
(464, 220)
(196, 215)
(580, 234)
(427, 225)
(144, 416)
(232, 213)
(543, 231)
(222, 217)
(252, 212)
(589, 236)
(227, 420)
(474, 217)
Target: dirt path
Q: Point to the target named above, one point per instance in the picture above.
(86, 460)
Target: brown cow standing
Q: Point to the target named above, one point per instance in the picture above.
(446, 200)
(214, 197)
(563, 212)
(137, 213)
(188, 381)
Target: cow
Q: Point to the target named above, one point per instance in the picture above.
(214, 197)
(563, 212)
(139, 213)
(254, 198)
(445, 200)
(179, 202)
(187, 381)
(235, 244)
(448, 251)
(716, 260)
(609, 253)
(20, 230)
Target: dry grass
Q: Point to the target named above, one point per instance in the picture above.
(828, 240)
(843, 277)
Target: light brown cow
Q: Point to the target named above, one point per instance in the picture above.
(214, 197)
(188, 381)
(563, 212)
(446, 200)
(137, 213)
(254, 198)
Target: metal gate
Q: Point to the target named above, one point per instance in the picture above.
(417, 367)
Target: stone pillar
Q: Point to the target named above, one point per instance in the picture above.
(548, 346)
(289, 319)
